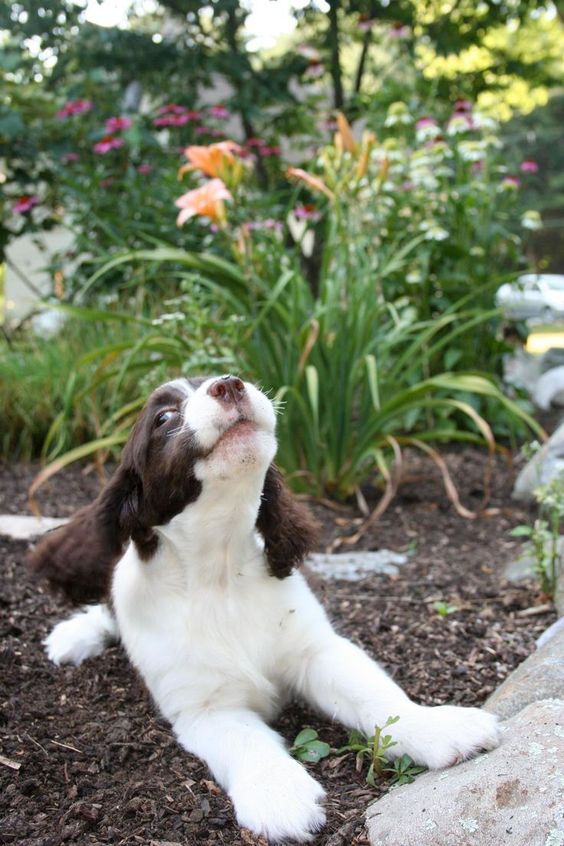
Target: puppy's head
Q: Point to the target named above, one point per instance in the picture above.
(189, 434)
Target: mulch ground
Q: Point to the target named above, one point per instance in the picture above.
(97, 765)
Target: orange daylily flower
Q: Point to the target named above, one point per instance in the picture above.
(206, 201)
(368, 142)
(313, 182)
(344, 136)
(211, 159)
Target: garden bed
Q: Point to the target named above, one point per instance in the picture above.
(98, 765)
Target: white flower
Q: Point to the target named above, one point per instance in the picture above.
(531, 220)
(432, 230)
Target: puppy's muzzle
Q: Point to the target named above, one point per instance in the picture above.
(229, 390)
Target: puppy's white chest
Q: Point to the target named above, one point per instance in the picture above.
(210, 644)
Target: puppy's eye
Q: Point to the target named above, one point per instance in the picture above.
(164, 416)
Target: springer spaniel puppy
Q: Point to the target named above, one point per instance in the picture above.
(197, 540)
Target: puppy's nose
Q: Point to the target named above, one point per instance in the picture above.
(228, 389)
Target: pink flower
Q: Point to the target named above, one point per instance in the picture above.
(25, 203)
(173, 108)
(307, 212)
(529, 166)
(117, 124)
(424, 122)
(206, 201)
(365, 22)
(254, 142)
(107, 143)
(68, 158)
(269, 151)
(106, 182)
(511, 182)
(219, 111)
(314, 70)
(463, 106)
(145, 168)
(172, 120)
(477, 167)
(75, 107)
(399, 32)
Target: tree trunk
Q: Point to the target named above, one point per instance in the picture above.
(335, 60)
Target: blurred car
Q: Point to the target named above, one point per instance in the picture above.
(538, 295)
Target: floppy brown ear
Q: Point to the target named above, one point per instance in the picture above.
(78, 559)
(288, 528)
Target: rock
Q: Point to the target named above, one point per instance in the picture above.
(552, 630)
(540, 676)
(512, 795)
(523, 567)
(22, 526)
(544, 466)
(549, 389)
(353, 566)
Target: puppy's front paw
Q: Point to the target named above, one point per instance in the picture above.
(443, 736)
(82, 636)
(281, 802)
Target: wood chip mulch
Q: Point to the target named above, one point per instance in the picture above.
(84, 757)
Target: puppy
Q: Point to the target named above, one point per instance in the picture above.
(197, 540)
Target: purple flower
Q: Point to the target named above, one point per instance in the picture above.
(268, 223)
(463, 106)
(117, 124)
(145, 168)
(511, 182)
(25, 203)
(529, 166)
(477, 167)
(75, 107)
(69, 158)
(107, 143)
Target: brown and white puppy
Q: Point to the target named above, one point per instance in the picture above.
(198, 539)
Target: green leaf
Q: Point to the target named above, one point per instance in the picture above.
(305, 736)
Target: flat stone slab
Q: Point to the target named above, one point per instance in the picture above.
(23, 527)
(513, 795)
(354, 566)
(540, 676)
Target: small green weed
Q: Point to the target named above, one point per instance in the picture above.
(308, 748)
(544, 534)
(403, 770)
(443, 609)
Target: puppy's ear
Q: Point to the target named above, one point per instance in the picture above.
(78, 559)
(287, 527)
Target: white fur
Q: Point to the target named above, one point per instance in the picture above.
(222, 645)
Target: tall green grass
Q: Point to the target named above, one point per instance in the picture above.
(356, 375)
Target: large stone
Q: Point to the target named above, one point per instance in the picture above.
(543, 467)
(22, 526)
(513, 795)
(540, 676)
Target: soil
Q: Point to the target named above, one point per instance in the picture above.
(85, 758)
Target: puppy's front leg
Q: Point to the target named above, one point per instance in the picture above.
(348, 686)
(273, 795)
